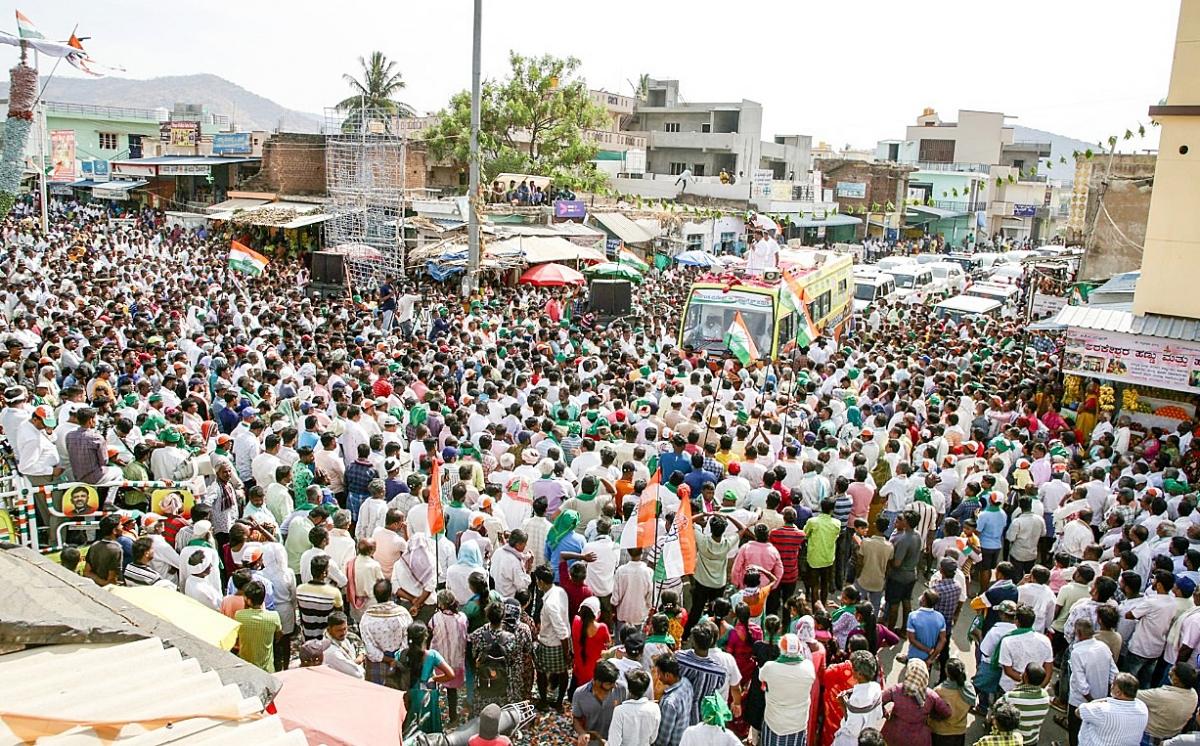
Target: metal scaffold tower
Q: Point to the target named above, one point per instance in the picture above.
(365, 155)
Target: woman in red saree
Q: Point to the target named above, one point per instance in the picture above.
(741, 641)
(806, 630)
(834, 680)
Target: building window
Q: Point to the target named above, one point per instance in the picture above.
(695, 241)
(671, 127)
(936, 151)
(697, 169)
(706, 127)
(677, 168)
(728, 239)
(108, 140)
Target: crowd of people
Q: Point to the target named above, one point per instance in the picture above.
(672, 548)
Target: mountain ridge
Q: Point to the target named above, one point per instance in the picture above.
(249, 110)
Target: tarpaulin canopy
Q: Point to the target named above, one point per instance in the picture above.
(625, 256)
(551, 275)
(697, 258)
(334, 709)
(541, 249)
(612, 269)
(184, 611)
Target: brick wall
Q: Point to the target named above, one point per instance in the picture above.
(885, 183)
(294, 163)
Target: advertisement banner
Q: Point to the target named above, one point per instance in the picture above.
(852, 189)
(760, 180)
(184, 169)
(231, 143)
(180, 134)
(62, 155)
(1148, 361)
(100, 169)
(611, 247)
(1047, 305)
(570, 208)
(1024, 211)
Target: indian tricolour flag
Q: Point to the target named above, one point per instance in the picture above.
(792, 295)
(245, 259)
(739, 341)
(26, 29)
(678, 554)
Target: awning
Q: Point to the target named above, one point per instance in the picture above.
(622, 227)
(116, 189)
(85, 183)
(936, 212)
(240, 203)
(830, 221)
(304, 220)
(541, 249)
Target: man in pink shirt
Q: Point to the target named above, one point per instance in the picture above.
(389, 544)
(861, 493)
(757, 553)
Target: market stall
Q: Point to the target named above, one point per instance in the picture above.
(1138, 366)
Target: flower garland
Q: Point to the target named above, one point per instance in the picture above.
(23, 83)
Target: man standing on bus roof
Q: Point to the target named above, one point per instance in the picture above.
(764, 255)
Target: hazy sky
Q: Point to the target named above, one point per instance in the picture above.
(845, 72)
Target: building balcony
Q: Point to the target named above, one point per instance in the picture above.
(974, 168)
(92, 111)
(615, 140)
(720, 141)
(959, 206)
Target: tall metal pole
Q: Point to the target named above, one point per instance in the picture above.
(39, 115)
(472, 279)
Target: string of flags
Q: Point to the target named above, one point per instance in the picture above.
(70, 50)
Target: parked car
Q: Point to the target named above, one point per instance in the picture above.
(951, 274)
(872, 288)
(967, 306)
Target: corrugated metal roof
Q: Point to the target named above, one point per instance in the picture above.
(622, 227)
(1122, 283)
(149, 695)
(1087, 317)
(1170, 327)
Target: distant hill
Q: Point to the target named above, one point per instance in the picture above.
(249, 110)
(1060, 146)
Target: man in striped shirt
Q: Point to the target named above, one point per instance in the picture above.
(1031, 701)
(787, 539)
(317, 599)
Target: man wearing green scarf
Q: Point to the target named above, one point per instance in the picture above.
(788, 681)
(563, 543)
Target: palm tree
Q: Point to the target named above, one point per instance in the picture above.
(376, 91)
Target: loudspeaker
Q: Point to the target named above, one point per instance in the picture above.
(611, 297)
(328, 268)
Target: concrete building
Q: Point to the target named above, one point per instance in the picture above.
(705, 138)
(1109, 208)
(1170, 272)
(979, 142)
(876, 192)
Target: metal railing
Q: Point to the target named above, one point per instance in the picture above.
(959, 206)
(604, 137)
(94, 110)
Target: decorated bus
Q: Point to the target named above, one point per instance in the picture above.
(810, 295)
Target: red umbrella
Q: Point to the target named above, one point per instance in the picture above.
(551, 275)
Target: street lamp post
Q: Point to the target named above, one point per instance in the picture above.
(472, 279)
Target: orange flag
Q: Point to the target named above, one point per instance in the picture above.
(687, 536)
(647, 511)
(434, 515)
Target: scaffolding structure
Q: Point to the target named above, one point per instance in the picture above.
(365, 156)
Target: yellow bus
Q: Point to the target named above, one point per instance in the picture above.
(713, 300)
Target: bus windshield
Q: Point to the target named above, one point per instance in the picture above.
(710, 312)
(865, 291)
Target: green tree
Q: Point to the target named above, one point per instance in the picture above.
(533, 121)
(375, 92)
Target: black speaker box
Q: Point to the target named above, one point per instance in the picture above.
(611, 297)
(328, 268)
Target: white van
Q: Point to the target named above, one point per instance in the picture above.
(966, 306)
(914, 283)
(1006, 294)
(891, 262)
(950, 274)
(871, 289)
(1007, 274)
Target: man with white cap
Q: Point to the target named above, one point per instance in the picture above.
(16, 410)
(200, 543)
(199, 568)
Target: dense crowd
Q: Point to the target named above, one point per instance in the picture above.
(672, 548)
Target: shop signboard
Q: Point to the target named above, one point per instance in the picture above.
(1047, 305)
(760, 179)
(852, 189)
(611, 247)
(100, 169)
(1139, 360)
(184, 169)
(570, 208)
(62, 155)
(231, 143)
(1024, 211)
(180, 134)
